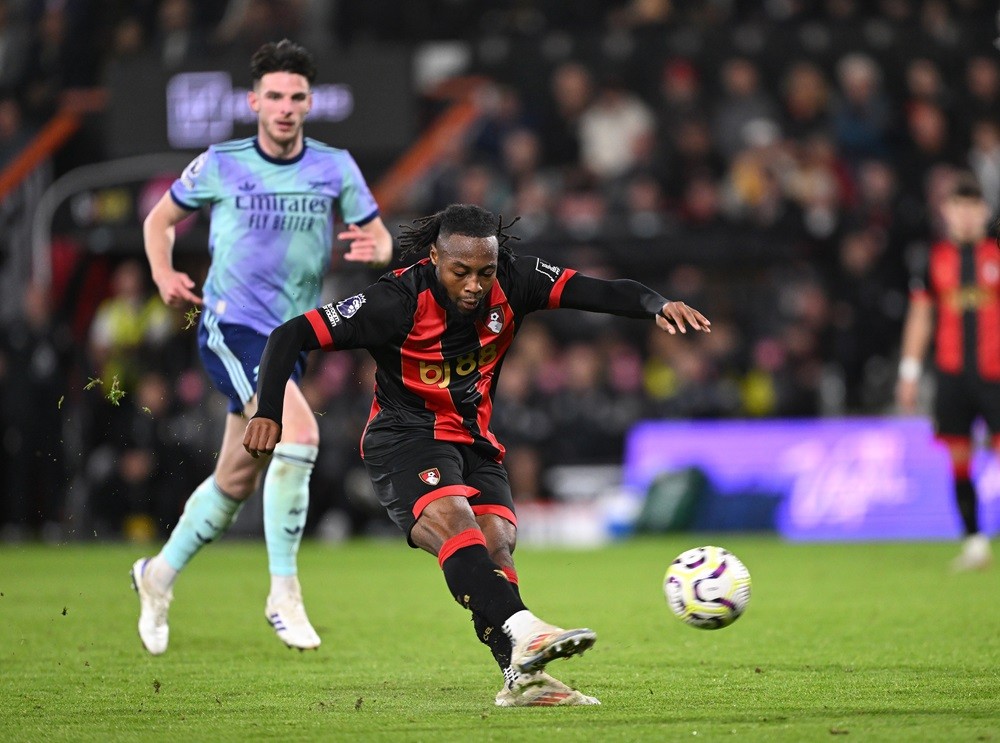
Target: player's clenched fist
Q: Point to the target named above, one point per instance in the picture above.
(261, 436)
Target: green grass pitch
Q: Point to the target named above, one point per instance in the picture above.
(864, 641)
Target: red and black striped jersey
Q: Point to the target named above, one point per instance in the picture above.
(437, 370)
(964, 285)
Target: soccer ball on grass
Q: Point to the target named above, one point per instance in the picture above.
(707, 587)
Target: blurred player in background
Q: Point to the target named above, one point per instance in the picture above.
(273, 199)
(438, 332)
(958, 300)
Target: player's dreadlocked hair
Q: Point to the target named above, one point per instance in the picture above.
(282, 56)
(457, 219)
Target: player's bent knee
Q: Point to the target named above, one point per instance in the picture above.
(440, 520)
(501, 537)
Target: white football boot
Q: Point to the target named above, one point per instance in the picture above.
(153, 606)
(542, 690)
(287, 615)
(975, 555)
(544, 643)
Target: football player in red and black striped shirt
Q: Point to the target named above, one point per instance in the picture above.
(439, 331)
(961, 288)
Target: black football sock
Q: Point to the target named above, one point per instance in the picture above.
(968, 506)
(495, 639)
(476, 582)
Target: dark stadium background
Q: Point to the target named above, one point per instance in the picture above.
(775, 164)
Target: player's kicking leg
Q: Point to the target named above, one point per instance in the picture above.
(482, 587)
(537, 689)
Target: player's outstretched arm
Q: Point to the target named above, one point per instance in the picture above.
(370, 243)
(283, 347)
(158, 237)
(629, 298)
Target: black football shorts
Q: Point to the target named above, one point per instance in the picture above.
(411, 473)
(960, 399)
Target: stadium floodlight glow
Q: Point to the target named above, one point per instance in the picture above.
(203, 107)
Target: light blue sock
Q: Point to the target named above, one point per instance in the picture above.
(286, 502)
(207, 514)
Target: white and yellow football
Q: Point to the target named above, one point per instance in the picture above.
(707, 587)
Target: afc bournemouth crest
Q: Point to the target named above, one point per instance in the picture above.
(431, 476)
(494, 319)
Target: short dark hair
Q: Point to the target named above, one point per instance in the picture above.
(457, 219)
(966, 187)
(282, 56)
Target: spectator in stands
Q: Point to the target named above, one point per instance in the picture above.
(247, 24)
(520, 156)
(743, 101)
(644, 213)
(615, 131)
(580, 212)
(571, 93)
(701, 204)
(805, 98)
(15, 40)
(940, 30)
(928, 143)
(478, 183)
(64, 55)
(924, 83)
(681, 98)
(981, 98)
(177, 39)
(862, 114)
(755, 186)
(128, 328)
(984, 160)
(501, 115)
(532, 201)
(36, 351)
(128, 41)
(689, 155)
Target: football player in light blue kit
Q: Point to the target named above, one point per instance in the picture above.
(274, 199)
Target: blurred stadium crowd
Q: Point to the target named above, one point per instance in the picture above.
(774, 164)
